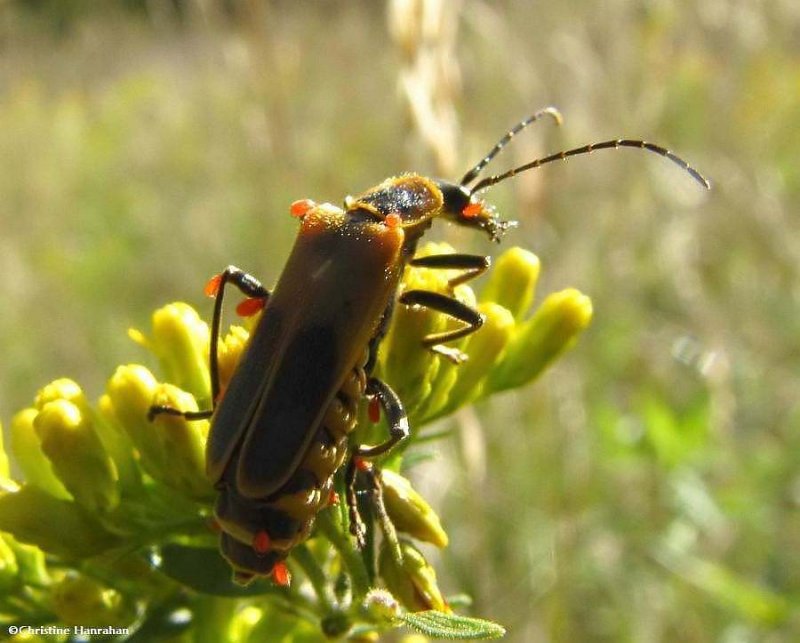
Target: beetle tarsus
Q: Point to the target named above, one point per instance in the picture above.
(191, 416)
(357, 528)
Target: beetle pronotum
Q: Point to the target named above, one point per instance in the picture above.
(281, 430)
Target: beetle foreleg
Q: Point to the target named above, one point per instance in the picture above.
(451, 307)
(474, 265)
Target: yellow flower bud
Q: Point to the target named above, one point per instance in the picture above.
(5, 468)
(554, 328)
(118, 445)
(77, 455)
(229, 352)
(409, 511)
(413, 368)
(115, 442)
(130, 394)
(484, 348)
(171, 448)
(61, 389)
(243, 622)
(27, 450)
(412, 580)
(512, 281)
(448, 372)
(180, 340)
(183, 442)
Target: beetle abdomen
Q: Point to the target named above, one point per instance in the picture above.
(257, 533)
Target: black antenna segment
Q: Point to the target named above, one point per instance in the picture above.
(586, 149)
(547, 111)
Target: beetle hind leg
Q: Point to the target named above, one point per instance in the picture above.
(398, 431)
(249, 286)
(357, 527)
(375, 489)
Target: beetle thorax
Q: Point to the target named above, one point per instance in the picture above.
(412, 200)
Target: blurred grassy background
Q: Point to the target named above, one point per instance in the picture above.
(647, 488)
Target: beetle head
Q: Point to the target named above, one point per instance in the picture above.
(460, 205)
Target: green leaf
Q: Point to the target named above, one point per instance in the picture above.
(205, 570)
(444, 625)
(59, 527)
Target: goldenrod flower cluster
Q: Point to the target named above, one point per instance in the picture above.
(109, 521)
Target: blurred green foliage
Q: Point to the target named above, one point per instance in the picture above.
(648, 488)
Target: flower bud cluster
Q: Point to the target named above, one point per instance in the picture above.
(101, 483)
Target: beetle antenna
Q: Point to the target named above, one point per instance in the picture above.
(547, 111)
(588, 149)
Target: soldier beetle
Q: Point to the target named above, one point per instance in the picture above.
(280, 432)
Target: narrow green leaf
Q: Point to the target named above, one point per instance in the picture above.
(452, 626)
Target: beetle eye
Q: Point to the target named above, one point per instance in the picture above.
(472, 210)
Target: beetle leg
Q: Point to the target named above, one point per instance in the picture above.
(451, 307)
(160, 409)
(357, 527)
(387, 526)
(395, 416)
(377, 338)
(398, 430)
(251, 287)
(474, 265)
